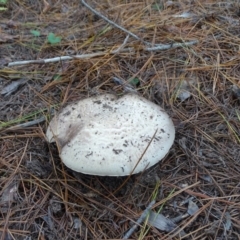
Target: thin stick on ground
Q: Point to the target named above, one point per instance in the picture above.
(97, 54)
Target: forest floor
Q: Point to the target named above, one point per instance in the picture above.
(195, 79)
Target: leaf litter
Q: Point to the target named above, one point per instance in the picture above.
(204, 165)
(12, 87)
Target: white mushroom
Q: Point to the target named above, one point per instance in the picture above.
(110, 136)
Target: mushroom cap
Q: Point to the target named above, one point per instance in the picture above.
(109, 136)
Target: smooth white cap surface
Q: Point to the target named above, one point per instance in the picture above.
(110, 136)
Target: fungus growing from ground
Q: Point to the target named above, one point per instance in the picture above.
(110, 136)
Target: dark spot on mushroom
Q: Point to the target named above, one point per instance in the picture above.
(89, 154)
(97, 102)
(79, 116)
(125, 143)
(122, 169)
(162, 130)
(67, 113)
(73, 108)
(117, 151)
(147, 140)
